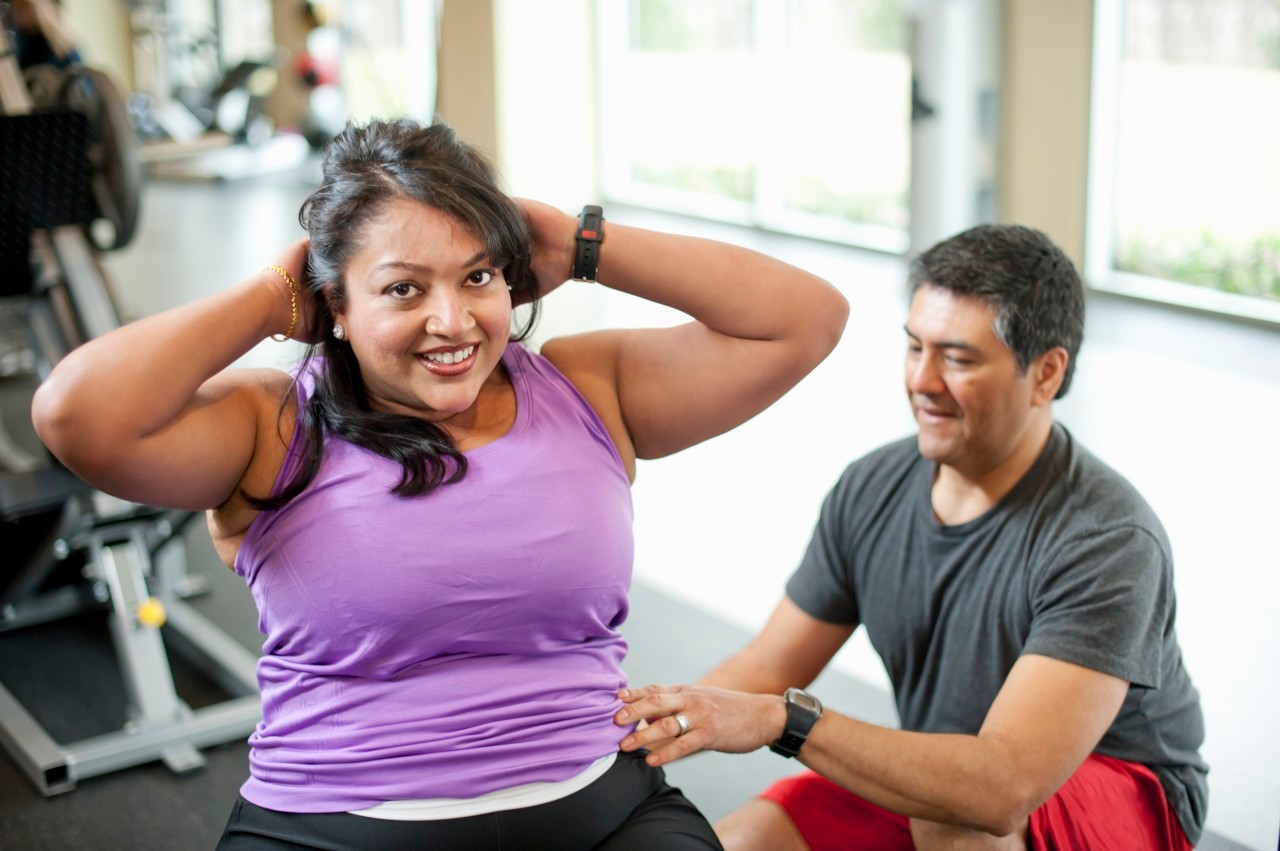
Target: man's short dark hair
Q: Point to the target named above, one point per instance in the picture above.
(1031, 285)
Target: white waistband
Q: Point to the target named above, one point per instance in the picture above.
(525, 795)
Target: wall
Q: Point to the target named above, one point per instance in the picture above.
(1045, 118)
(103, 38)
(467, 95)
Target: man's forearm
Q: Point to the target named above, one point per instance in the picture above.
(952, 779)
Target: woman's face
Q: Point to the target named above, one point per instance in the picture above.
(427, 313)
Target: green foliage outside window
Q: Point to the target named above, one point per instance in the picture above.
(735, 183)
(677, 26)
(812, 195)
(1250, 268)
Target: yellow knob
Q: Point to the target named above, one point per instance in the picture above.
(151, 613)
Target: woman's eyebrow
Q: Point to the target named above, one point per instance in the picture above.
(418, 267)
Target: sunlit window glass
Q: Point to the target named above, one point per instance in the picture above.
(678, 26)
(788, 114)
(845, 86)
(1197, 174)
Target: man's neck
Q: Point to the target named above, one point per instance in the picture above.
(960, 496)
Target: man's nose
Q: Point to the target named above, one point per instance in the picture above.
(923, 376)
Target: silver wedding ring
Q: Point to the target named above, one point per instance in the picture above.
(683, 722)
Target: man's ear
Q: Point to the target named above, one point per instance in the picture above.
(1049, 371)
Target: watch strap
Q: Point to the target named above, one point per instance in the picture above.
(587, 239)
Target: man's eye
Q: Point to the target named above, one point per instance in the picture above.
(480, 277)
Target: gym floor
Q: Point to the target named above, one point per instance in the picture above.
(66, 675)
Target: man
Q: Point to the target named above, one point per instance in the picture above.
(1019, 592)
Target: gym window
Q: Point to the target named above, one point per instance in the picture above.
(789, 115)
(1185, 154)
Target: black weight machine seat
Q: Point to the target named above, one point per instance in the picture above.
(68, 548)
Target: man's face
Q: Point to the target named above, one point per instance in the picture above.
(972, 403)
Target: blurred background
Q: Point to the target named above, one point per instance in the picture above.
(842, 135)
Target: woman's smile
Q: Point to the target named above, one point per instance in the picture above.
(449, 361)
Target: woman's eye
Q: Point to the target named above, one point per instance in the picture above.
(402, 290)
(480, 277)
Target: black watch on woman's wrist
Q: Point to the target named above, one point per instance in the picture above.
(586, 255)
(803, 711)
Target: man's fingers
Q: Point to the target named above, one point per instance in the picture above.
(686, 745)
(649, 702)
(634, 693)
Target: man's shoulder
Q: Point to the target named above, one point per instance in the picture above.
(1091, 491)
(900, 453)
(883, 471)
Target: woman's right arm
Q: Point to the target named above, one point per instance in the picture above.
(150, 413)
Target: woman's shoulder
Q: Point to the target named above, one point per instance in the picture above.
(586, 362)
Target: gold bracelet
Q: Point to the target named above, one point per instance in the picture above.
(294, 288)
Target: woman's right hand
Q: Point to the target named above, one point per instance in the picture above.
(293, 260)
(551, 241)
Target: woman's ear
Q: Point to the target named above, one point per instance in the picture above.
(335, 301)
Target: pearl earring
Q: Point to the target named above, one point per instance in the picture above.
(338, 333)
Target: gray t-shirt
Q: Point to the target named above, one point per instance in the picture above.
(1072, 564)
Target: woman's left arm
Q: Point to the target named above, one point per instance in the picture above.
(760, 325)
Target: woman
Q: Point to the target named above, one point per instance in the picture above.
(435, 521)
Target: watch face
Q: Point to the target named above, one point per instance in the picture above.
(804, 700)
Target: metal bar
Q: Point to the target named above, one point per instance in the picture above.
(84, 281)
(212, 725)
(40, 757)
(143, 662)
(51, 606)
(223, 658)
(14, 98)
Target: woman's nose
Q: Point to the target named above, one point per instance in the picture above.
(447, 315)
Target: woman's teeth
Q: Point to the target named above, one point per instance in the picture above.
(450, 357)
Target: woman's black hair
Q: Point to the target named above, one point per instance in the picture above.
(366, 167)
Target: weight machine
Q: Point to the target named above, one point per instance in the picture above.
(70, 163)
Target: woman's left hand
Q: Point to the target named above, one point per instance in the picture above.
(551, 238)
(713, 719)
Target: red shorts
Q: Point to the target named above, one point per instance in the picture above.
(1107, 804)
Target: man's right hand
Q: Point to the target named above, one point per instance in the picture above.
(714, 719)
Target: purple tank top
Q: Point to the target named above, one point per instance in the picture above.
(447, 645)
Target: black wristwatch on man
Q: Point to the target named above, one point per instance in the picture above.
(803, 711)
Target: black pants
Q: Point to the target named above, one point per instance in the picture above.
(629, 808)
